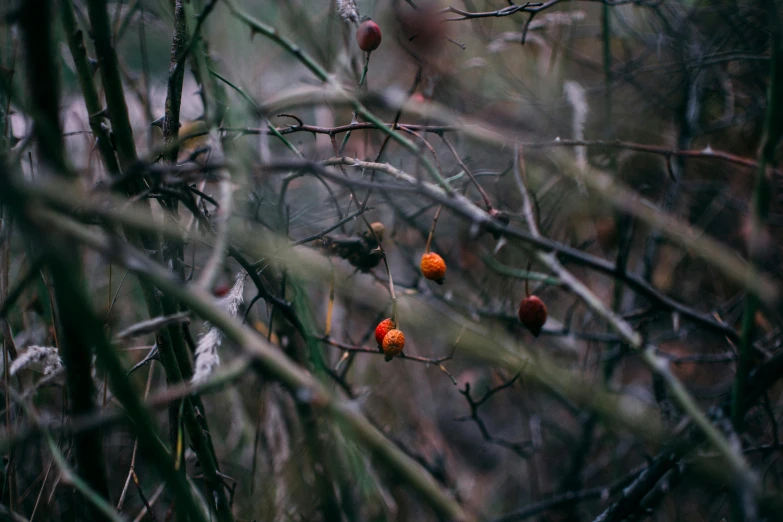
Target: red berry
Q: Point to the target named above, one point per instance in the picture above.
(368, 35)
(382, 329)
(221, 289)
(393, 343)
(532, 313)
(433, 267)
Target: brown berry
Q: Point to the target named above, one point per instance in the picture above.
(433, 267)
(393, 343)
(382, 329)
(368, 36)
(379, 229)
(532, 313)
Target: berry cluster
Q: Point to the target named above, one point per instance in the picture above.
(532, 310)
(390, 340)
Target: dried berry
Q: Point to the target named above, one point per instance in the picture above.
(393, 343)
(362, 252)
(368, 35)
(532, 313)
(377, 231)
(433, 267)
(382, 329)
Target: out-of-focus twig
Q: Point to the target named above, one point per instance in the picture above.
(762, 195)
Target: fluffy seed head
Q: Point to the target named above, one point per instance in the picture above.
(532, 313)
(44, 359)
(207, 357)
(348, 11)
(433, 267)
(368, 36)
(382, 329)
(393, 343)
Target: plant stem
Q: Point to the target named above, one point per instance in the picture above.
(112, 82)
(321, 73)
(760, 206)
(174, 353)
(432, 230)
(36, 21)
(274, 363)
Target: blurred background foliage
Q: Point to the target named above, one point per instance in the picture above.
(642, 81)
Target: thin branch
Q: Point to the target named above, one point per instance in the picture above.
(466, 209)
(437, 361)
(152, 325)
(657, 364)
(569, 498)
(523, 449)
(92, 496)
(464, 167)
(277, 364)
(761, 204)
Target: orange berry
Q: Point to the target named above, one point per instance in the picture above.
(393, 343)
(433, 267)
(368, 36)
(382, 329)
(532, 313)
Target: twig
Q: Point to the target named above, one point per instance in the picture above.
(152, 325)
(527, 7)
(276, 363)
(438, 361)
(464, 167)
(666, 152)
(92, 496)
(152, 501)
(432, 230)
(332, 228)
(321, 73)
(760, 206)
(121, 502)
(568, 498)
(520, 448)
(142, 497)
(468, 210)
(657, 364)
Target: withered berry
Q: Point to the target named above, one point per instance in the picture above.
(382, 329)
(393, 343)
(433, 267)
